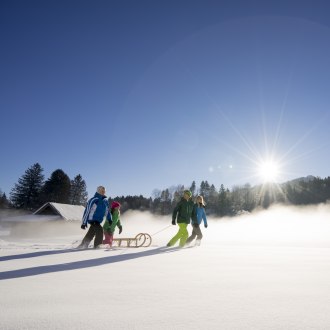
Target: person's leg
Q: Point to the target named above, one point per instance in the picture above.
(110, 238)
(184, 234)
(199, 236)
(88, 237)
(199, 233)
(175, 238)
(98, 234)
(192, 236)
(106, 238)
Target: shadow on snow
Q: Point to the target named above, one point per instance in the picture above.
(37, 254)
(75, 265)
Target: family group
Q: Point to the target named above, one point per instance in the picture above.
(185, 212)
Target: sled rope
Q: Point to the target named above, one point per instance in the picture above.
(161, 230)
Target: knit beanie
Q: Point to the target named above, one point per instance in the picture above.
(115, 205)
(188, 192)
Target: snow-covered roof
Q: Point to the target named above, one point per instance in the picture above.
(29, 218)
(66, 211)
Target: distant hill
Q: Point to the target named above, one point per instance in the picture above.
(307, 178)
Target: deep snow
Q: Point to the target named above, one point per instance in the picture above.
(268, 270)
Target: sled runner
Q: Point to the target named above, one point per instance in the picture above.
(140, 240)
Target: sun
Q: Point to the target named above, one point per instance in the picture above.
(268, 171)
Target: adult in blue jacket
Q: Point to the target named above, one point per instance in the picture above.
(96, 209)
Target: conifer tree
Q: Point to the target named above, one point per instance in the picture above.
(248, 197)
(204, 189)
(193, 188)
(57, 188)
(165, 202)
(213, 198)
(224, 205)
(177, 195)
(4, 202)
(26, 193)
(78, 193)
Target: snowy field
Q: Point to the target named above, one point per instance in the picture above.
(267, 270)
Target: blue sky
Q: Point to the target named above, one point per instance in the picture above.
(144, 95)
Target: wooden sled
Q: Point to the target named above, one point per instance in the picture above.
(140, 240)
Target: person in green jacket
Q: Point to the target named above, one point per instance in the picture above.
(182, 213)
(110, 226)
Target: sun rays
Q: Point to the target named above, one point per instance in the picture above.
(268, 171)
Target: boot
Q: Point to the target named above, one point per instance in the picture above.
(82, 245)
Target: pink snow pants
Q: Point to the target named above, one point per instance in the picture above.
(108, 238)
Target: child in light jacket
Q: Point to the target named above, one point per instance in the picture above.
(109, 227)
(196, 221)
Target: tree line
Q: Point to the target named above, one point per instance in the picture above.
(32, 191)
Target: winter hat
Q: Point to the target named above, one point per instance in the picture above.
(115, 205)
(188, 192)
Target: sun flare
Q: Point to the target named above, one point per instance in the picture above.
(268, 171)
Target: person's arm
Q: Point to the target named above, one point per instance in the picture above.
(107, 225)
(109, 217)
(175, 213)
(120, 227)
(115, 219)
(194, 215)
(84, 220)
(204, 218)
(86, 213)
(108, 213)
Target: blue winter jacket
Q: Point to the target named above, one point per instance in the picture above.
(201, 215)
(96, 209)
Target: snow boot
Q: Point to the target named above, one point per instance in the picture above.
(82, 246)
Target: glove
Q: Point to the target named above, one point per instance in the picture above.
(173, 222)
(120, 229)
(83, 227)
(205, 225)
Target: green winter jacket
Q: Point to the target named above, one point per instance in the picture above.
(110, 227)
(184, 211)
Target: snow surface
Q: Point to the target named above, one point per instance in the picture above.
(267, 270)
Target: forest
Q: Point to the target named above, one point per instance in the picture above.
(32, 190)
